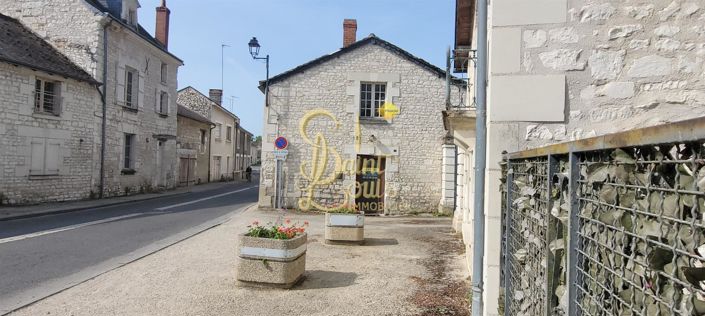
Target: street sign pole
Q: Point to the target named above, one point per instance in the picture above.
(280, 154)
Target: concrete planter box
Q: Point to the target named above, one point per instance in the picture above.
(271, 262)
(345, 227)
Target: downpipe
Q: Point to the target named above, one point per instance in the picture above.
(480, 159)
(105, 105)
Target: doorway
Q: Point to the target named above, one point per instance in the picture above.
(369, 186)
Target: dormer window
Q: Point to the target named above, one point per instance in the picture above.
(132, 17)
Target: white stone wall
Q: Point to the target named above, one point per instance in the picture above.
(222, 147)
(411, 143)
(75, 28)
(562, 70)
(72, 132)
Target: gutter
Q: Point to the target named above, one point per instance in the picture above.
(480, 158)
(105, 105)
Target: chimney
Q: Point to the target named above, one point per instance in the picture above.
(216, 95)
(162, 29)
(349, 32)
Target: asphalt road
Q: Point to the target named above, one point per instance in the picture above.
(44, 255)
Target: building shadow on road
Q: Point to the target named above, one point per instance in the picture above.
(319, 279)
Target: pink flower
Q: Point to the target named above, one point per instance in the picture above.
(305, 223)
(288, 221)
(256, 223)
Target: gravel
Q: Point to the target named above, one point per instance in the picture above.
(408, 266)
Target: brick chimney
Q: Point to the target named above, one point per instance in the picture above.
(216, 95)
(162, 29)
(349, 32)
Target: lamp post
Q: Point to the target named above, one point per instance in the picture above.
(278, 196)
(254, 51)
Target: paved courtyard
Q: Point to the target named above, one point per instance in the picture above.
(408, 266)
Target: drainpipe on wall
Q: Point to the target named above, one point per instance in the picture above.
(210, 146)
(480, 159)
(448, 78)
(105, 105)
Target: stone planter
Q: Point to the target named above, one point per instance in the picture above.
(271, 262)
(345, 228)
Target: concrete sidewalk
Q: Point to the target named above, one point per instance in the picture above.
(409, 266)
(16, 212)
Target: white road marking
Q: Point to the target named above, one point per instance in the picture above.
(203, 199)
(112, 219)
(63, 229)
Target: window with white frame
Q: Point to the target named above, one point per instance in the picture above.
(164, 72)
(131, 87)
(47, 96)
(218, 131)
(45, 156)
(129, 148)
(372, 96)
(229, 133)
(163, 103)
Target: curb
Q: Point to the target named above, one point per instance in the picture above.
(83, 208)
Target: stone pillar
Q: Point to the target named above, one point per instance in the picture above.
(448, 179)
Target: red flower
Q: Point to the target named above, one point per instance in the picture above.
(288, 221)
(305, 223)
(256, 223)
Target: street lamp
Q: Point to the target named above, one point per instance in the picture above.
(254, 51)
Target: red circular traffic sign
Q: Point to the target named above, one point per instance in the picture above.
(281, 142)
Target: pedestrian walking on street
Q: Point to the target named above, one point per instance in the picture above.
(248, 173)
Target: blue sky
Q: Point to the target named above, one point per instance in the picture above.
(292, 32)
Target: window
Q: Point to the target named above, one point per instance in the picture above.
(129, 161)
(47, 98)
(163, 104)
(132, 17)
(131, 87)
(44, 155)
(229, 133)
(218, 131)
(203, 137)
(164, 72)
(372, 96)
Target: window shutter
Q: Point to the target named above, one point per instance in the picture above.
(120, 87)
(37, 156)
(156, 100)
(58, 99)
(140, 84)
(53, 156)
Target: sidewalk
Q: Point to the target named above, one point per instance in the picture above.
(16, 212)
(409, 266)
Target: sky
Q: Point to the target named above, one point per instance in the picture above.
(292, 32)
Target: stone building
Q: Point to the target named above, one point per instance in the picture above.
(223, 138)
(564, 70)
(339, 142)
(135, 123)
(243, 154)
(46, 120)
(193, 146)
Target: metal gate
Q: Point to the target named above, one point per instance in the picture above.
(613, 225)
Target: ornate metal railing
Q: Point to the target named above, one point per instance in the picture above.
(613, 225)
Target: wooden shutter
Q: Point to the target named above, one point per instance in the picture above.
(37, 154)
(53, 156)
(140, 84)
(120, 75)
(156, 100)
(58, 99)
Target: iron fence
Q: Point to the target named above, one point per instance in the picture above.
(608, 226)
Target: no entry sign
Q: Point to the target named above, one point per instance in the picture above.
(281, 143)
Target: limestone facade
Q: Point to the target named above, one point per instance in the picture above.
(410, 144)
(562, 70)
(45, 157)
(193, 147)
(76, 28)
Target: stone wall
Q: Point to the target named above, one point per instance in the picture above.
(156, 158)
(75, 28)
(562, 70)
(196, 101)
(72, 134)
(189, 146)
(627, 65)
(411, 143)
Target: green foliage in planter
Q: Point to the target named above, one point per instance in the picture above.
(276, 231)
